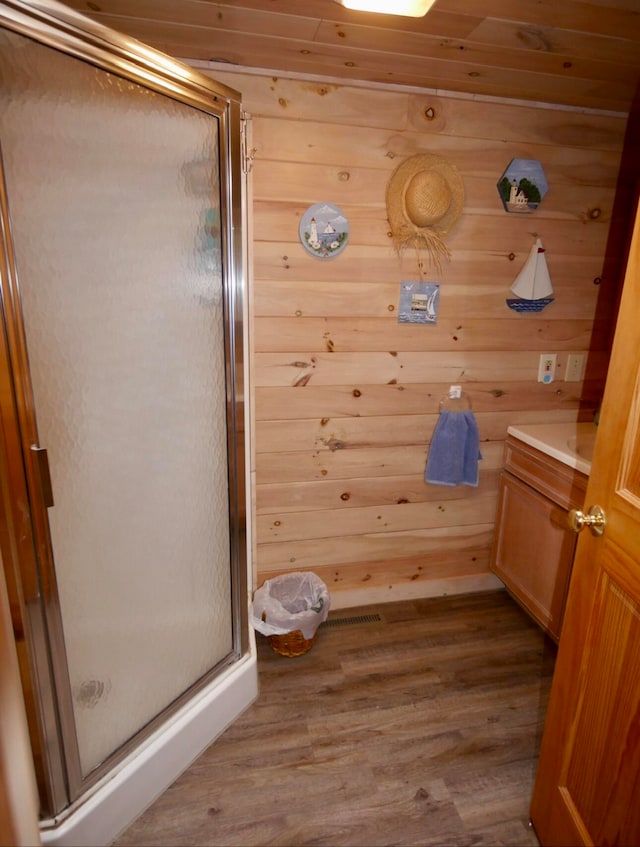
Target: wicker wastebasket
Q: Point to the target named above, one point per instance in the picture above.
(292, 643)
(288, 610)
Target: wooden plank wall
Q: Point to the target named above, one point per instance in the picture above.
(345, 398)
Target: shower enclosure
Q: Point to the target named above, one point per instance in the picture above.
(121, 397)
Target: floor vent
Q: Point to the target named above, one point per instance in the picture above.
(355, 619)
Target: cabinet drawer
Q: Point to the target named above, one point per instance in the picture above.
(557, 481)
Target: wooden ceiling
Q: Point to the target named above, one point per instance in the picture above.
(581, 53)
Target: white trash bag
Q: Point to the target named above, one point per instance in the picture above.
(290, 602)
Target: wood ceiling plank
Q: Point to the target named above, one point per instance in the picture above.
(629, 5)
(560, 42)
(438, 21)
(574, 53)
(608, 20)
(310, 58)
(221, 19)
(195, 13)
(503, 54)
(281, 17)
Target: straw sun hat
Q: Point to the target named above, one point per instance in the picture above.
(424, 202)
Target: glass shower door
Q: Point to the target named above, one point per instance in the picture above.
(116, 196)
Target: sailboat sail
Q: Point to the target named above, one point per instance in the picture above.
(533, 284)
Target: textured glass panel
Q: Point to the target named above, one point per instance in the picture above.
(114, 201)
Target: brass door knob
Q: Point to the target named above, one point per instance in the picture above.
(595, 519)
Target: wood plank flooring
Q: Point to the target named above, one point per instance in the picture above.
(421, 728)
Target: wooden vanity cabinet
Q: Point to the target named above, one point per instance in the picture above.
(533, 548)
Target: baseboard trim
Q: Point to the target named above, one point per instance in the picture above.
(415, 590)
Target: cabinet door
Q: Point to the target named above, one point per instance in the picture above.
(533, 552)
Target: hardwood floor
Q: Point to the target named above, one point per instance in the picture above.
(420, 728)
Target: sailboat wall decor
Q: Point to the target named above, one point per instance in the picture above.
(533, 284)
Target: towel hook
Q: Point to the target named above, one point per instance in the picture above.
(455, 399)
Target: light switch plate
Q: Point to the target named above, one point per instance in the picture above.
(575, 367)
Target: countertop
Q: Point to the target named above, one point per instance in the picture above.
(569, 442)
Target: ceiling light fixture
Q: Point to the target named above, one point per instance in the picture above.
(409, 8)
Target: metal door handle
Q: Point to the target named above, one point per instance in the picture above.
(595, 519)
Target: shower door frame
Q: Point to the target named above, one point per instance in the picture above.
(25, 544)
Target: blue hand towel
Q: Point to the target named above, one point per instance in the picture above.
(454, 450)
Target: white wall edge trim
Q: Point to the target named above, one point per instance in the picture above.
(227, 67)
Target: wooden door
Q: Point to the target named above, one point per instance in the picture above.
(587, 788)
